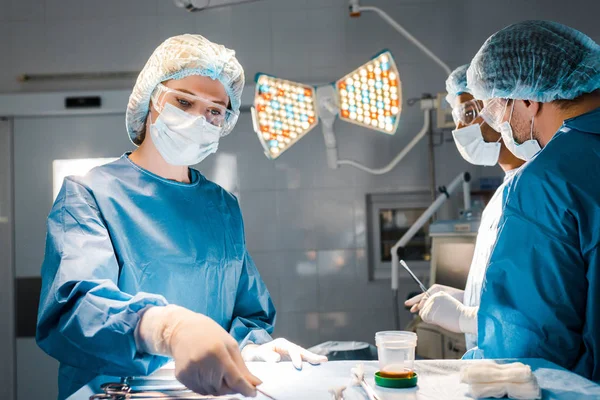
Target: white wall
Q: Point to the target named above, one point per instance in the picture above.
(305, 223)
(7, 273)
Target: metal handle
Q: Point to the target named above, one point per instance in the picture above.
(123, 391)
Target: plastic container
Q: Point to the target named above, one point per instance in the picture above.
(396, 353)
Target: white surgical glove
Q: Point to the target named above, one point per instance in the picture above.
(444, 310)
(207, 359)
(458, 294)
(281, 349)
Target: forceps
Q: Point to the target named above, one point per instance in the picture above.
(423, 288)
(123, 391)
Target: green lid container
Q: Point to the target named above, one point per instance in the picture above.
(396, 383)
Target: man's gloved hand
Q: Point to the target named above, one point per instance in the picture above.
(458, 294)
(447, 312)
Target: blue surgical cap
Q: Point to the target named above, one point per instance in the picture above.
(535, 60)
(176, 58)
(456, 84)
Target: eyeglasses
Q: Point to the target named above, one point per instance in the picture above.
(466, 112)
(215, 114)
(493, 113)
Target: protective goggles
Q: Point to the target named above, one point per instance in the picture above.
(493, 113)
(466, 112)
(215, 114)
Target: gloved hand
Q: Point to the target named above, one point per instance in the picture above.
(444, 310)
(414, 302)
(279, 349)
(207, 359)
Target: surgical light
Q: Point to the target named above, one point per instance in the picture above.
(283, 113)
(380, 86)
(370, 96)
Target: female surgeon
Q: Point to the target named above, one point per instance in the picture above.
(146, 259)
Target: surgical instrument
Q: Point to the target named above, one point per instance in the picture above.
(121, 391)
(358, 378)
(423, 288)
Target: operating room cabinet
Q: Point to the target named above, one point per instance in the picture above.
(37, 143)
(452, 249)
(389, 217)
(437, 343)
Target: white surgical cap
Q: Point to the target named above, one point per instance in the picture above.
(177, 58)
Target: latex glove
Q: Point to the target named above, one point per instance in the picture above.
(281, 349)
(207, 359)
(444, 310)
(458, 294)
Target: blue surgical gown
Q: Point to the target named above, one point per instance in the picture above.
(121, 239)
(541, 297)
(486, 238)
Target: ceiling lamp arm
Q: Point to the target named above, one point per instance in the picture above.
(356, 9)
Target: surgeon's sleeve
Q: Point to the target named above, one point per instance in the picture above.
(589, 364)
(533, 302)
(254, 312)
(84, 320)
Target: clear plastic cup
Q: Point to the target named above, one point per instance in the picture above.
(396, 353)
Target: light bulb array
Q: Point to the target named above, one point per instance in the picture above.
(370, 96)
(284, 112)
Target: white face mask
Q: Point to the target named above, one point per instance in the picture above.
(472, 147)
(183, 139)
(526, 150)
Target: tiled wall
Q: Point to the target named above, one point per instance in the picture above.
(305, 223)
(306, 228)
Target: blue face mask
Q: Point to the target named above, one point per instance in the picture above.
(183, 139)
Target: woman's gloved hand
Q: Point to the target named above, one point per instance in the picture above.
(207, 359)
(281, 350)
(414, 302)
(444, 310)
